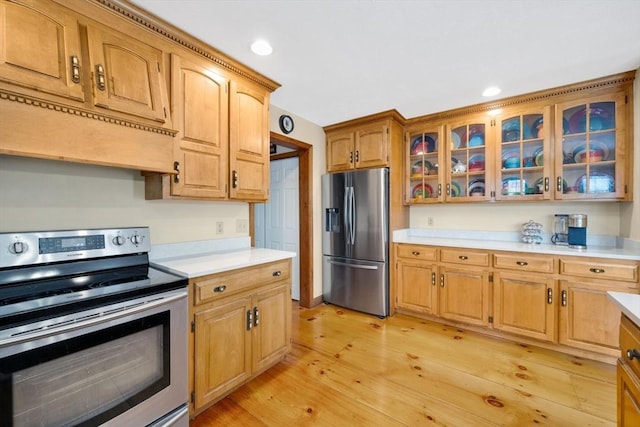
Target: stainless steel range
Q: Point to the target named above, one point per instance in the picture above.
(90, 334)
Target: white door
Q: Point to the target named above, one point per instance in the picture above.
(277, 223)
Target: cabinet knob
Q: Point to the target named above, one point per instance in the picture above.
(415, 253)
(522, 263)
(220, 288)
(277, 273)
(633, 354)
(597, 270)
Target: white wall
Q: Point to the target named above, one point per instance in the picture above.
(312, 134)
(40, 194)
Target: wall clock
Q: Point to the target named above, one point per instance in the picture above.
(286, 124)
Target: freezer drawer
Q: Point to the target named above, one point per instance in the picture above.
(355, 284)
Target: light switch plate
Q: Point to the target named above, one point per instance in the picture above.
(242, 226)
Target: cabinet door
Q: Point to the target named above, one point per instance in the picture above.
(417, 287)
(272, 331)
(126, 75)
(525, 143)
(340, 151)
(424, 153)
(464, 295)
(525, 305)
(588, 319)
(248, 142)
(40, 47)
(628, 396)
(200, 112)
(222, 349)
(590, 156)
(371, 145)
(469, 165)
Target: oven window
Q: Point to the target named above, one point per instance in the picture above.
(89, 379)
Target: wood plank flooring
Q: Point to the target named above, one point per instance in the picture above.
(352, 369)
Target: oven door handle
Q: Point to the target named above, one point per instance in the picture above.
(172, 419)
(134, 306)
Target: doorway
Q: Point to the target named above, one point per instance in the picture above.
(277, 221)
(304, 154)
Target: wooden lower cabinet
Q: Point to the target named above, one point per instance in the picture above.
(557, 300)
(628, 374)
(588, 318)
(524, 304)
(417, 287)
(464, 295)
(238, 336)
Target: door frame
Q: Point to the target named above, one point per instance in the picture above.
(304, 152)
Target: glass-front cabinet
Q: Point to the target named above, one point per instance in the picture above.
(425, 155)
(522, 146)
(468, 163)
(589, 153)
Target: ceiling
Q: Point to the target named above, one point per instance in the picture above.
(341, 59)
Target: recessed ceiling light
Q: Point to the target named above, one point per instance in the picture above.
(491, 91)
(261, 47)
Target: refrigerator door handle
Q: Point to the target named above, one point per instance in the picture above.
(361, 267)
(345, 207)
(353, 217)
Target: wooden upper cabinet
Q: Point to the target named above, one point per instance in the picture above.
(340, 151)
(200, 111)
(126, 75)
(248, 142)
(591, 155)
(523, 154)
(363, 147)
(40, 48)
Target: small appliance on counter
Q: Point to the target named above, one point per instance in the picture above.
(560, 234)
(577, 234)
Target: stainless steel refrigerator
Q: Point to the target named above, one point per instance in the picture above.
(355, 271)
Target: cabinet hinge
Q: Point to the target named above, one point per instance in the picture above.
(491, 277)
(165, 112)
(626, 99)
(193, 326)
(490, 319)
(158, 64)
(626, 189)
(193, 396)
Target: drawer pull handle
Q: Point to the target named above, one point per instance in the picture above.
(549, 296)
(522, 263)
(563, 298)
(277, 273)
(463, 257)
(633, 354)
(415, 253)
(442, 280)
(75, 69)
(100, 79)
(220, 288)
(597, 270)
(433, 279)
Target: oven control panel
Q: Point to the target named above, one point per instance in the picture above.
(28, 248)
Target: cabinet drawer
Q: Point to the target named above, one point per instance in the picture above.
(426, 253)
(524, 262)
(466, 257)
(629, 340)
(598, 268)
(216, 286)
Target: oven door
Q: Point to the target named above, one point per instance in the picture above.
(123, 365)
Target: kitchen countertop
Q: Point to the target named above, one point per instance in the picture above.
(629, 304)
(509, 242)
(195, 259)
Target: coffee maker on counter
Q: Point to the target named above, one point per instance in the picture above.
(570, 229)
(577, 237)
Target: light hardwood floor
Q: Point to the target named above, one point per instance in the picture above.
(352, 369)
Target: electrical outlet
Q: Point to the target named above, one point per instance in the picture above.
(219, 227)
(242, 226)
(430, 221)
